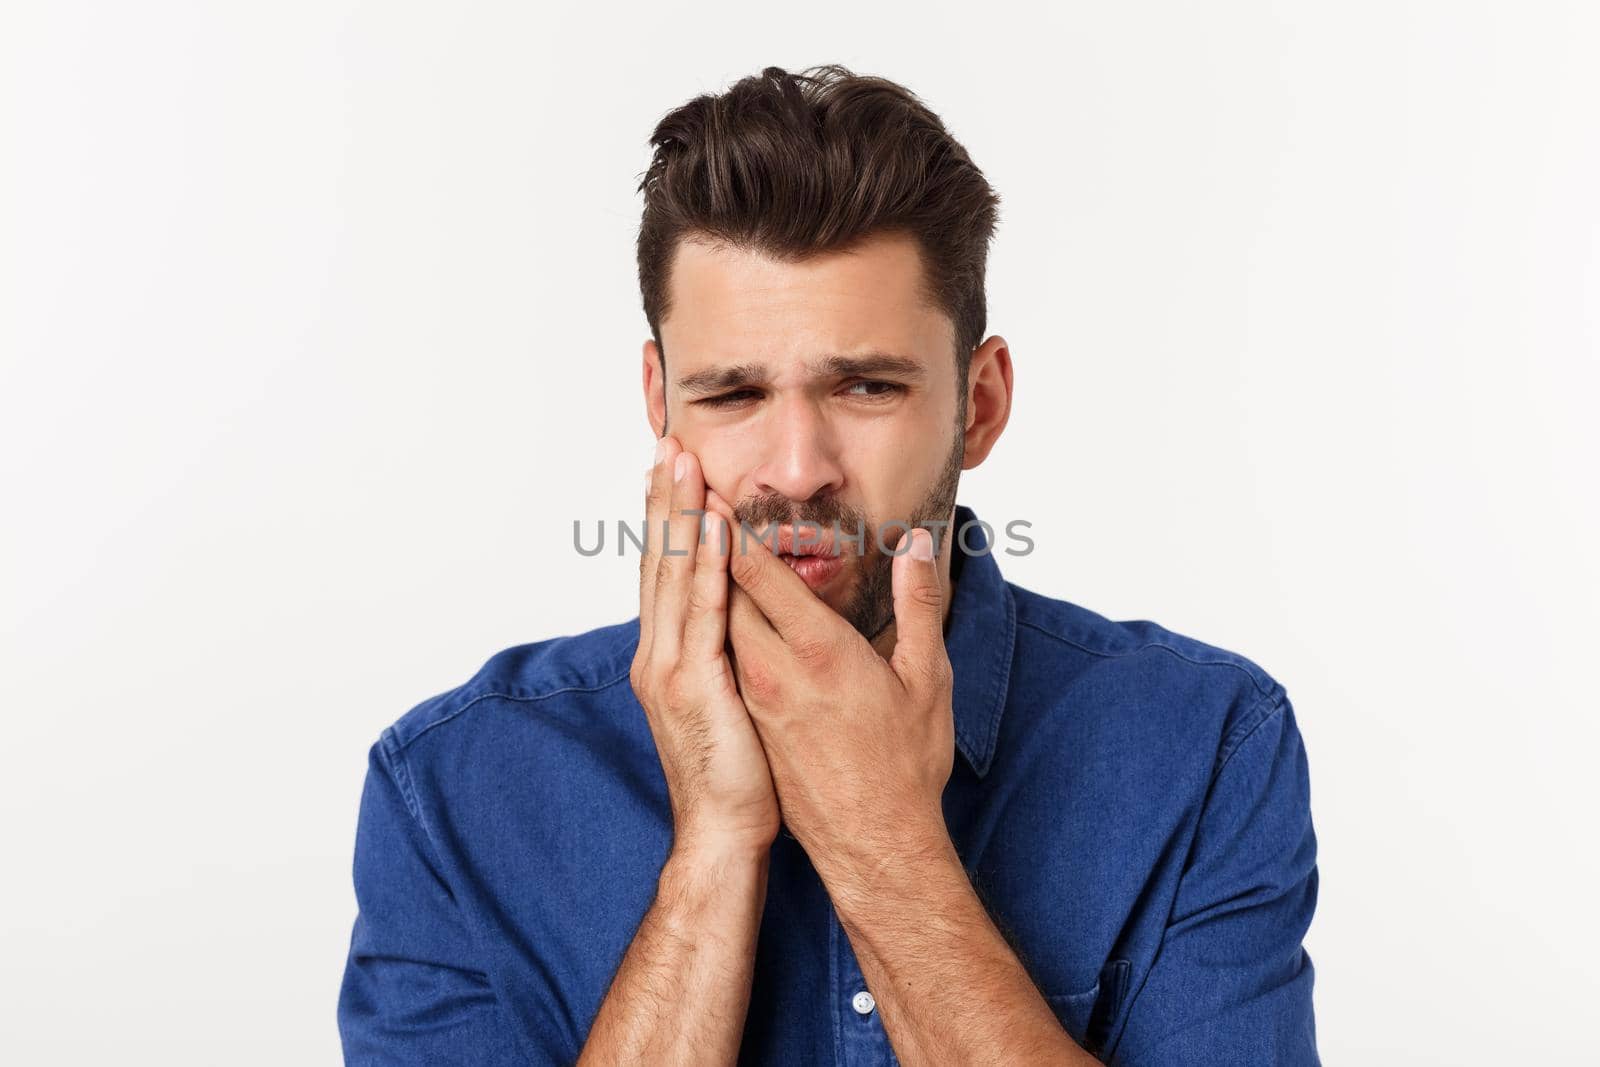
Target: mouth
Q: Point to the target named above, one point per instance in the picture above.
(815, 570)
(811, 552)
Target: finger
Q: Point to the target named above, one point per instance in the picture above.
(748, 628)
(715, 502)
(657, 500)
(706, 626)
(675, 571)
(919, 652)
(780, 594)
(751, 638)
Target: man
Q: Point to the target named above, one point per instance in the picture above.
(846, 795)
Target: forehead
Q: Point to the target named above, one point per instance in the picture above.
(734, 305)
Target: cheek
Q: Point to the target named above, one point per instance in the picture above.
(726, 460)
(707, 448)
(893, 485)
(908, 449)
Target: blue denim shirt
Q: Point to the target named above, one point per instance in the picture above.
(1131, 805)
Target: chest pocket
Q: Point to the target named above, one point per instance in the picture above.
(1088, 1016)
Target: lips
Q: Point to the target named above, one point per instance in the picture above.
(815, 570)
(818, 541)
(816, 560)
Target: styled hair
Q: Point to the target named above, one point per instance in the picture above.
(793, 165)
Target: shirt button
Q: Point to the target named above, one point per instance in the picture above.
(863, 1003)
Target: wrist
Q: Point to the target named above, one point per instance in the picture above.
(700, 842)
(711, 892)
(903, 856)
(696, 857)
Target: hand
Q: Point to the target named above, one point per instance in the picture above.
(860, 748)
(717, 776)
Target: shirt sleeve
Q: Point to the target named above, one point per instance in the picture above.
(413, 991)
(1231, 982)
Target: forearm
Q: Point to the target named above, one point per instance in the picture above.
(682, 990)
(948, 986)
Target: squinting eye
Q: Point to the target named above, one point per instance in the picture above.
(726, 399)
(887, 388)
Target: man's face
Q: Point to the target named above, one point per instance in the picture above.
(820, 392)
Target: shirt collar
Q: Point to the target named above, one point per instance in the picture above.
(980, 635)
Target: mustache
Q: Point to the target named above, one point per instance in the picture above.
(770, 509)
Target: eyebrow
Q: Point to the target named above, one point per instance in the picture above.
(747, 375)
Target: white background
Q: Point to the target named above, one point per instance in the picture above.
(320, 324)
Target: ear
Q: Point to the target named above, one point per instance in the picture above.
(988, 399)
(655, 389)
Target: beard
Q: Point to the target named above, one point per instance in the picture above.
(870, 607)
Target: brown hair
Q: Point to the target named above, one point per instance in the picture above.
(791, 165)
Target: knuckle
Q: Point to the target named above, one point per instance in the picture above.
(679, 690)
(639, 678)
(747, 571)
(700, 600)
(665, 570)
(813, 651)
(758, 681)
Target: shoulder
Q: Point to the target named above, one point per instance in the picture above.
(588, 662)
(1173, 682)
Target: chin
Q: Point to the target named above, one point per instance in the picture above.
(837, 593)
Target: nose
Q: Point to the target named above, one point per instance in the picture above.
(800, 456)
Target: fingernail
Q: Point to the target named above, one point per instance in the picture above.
(661, 449)
(680, 467)
(921, 544)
